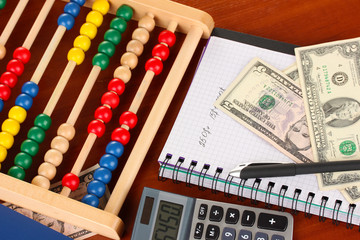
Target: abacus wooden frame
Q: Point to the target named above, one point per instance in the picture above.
(195, 24)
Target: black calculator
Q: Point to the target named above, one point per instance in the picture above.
(166, 216)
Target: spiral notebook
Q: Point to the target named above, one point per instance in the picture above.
(205, 144)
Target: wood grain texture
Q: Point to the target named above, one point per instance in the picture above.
(297, 22)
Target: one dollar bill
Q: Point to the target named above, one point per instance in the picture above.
(270, 104)
(330, 80)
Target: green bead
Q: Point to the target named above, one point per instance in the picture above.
(2, 4)
(37, 134)
(125, 12)
(107, 48)
(17, 172)
(43, 121)
(30, 147)
(23, 160)
(101, 60)
(118, 24)
(113, 36)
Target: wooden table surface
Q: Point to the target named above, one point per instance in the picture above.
(298, 22)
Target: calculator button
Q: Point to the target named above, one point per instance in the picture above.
(199, 229)
(272, 222)
(228, 234)
(216, 213)
(212, 232)
(261, 236)
(245, 235)
(202, 211)
(248, 218)
(277, 237)
(232, 216)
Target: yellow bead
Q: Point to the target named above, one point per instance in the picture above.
(77, 55)
(11, 126)
(18, 114)
(101, 6)
(6, 140)
(82, 42)
(95, 18)
(3, 153)
(88, 29)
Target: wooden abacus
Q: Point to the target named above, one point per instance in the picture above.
(196, 25)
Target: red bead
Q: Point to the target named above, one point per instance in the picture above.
(111, 99)
(15, 66)
(155, 65)
(167, 37)
(9, 79)
(103, 113)
(116, 85)
(161, 51)
(97, 127)
(71, 181)
(22, 54)
(5, 92)
(129, 119)
(121, 135)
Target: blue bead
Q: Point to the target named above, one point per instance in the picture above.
(72, 8)
(115, 148)
(24, 101)
(103, 175)
(66, 20)
(30, 88)
(96, 188)
(80, 2)
(90, 200)
(1, 105)
(108, 161)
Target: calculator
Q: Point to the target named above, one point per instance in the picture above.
(166, 216)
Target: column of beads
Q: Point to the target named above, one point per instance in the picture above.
(110, 99)
(121, 136)
(21, 55)
(36, 135)
(2, 4)
(17, 114)
(15, 16)
(66, 132)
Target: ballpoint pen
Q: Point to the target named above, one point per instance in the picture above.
(261, 170)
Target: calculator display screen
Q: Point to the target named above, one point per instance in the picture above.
(167, 221)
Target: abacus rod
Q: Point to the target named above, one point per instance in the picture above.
(85, 91)
(172, 26)
(38, 24)
(15, 16)
(76, 169)
(49, 52)
(55, 96)
(153, 121)
(139, 96)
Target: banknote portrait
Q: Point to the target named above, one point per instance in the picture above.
(297, 137)
(341, 112)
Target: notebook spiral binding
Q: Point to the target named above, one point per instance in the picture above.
(268, 194)
(230, 182)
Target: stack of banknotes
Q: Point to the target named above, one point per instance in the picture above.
(309, 111)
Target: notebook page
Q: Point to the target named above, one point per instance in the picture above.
(206, 135)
